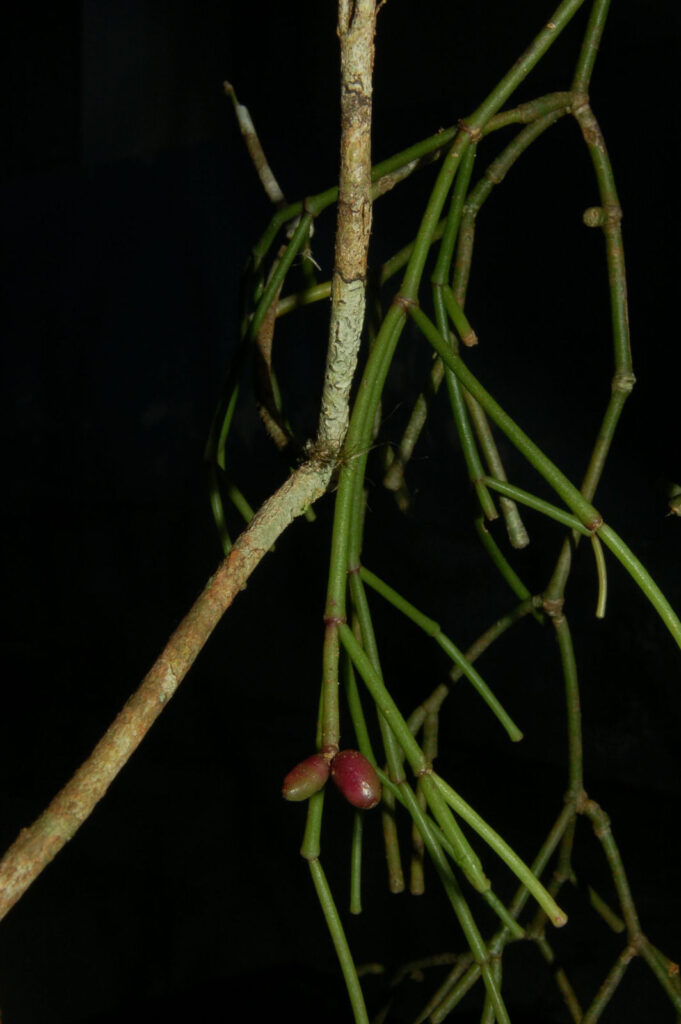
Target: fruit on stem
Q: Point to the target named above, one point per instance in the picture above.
(306, 779)
(356, 778)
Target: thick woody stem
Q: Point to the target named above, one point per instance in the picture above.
(356, 27)
(37, 845)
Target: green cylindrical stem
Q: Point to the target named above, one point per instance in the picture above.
(361, 605)
(452, 995)
(607, 989)
(602, 576)
(503, 850)
(282, 268)
(390, 745)
(381, 356)
(330, 711)
(560, 18)
(459, 318)
(643, 578)
(605, 912)
(463, 427)
(572, 705)
(504, 567)
(517, 534)
(590, 43)
(356, 711)
(548, 848)
(432, 629)
(340, 942)
(383, 700)
(663, 970)
(586, 513)
(603, 832)
(461, 909)
(311, 845)
(464, 855)
(532, 501)
(356, 863)
(499, 908)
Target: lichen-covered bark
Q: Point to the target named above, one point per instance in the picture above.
(356, 27)
(37, 845)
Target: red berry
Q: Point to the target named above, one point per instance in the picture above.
(356, 778)
(306, 778)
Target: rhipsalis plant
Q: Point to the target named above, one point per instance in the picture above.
(386, 755)
(350, 649)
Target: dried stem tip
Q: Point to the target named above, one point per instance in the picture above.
(356, 778)
(306, 779)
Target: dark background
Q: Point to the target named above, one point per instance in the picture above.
(128, 206)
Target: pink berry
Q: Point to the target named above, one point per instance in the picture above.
(356, 778)
(306, 778)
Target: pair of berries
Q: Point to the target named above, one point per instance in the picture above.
(355, 777)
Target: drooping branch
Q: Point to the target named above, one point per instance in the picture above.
(37, 845)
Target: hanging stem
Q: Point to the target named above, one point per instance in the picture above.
(333, 923)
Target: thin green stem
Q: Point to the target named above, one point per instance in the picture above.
(433, 629)
(415, 155)
(362, 419)
(643, 578)
(416, 873)
(590, 44)
(451, 995)
(583, 509)
(503, 850)
(459, 318)
(502, 164)
(434, 701)
(560, 18)
(383, 700)
(585, 512)
(330, 712)
(662, 969)
(456, 398)
(604, 911)
(538, 504)
(311, 845)
(361, 606)
(603, 832)
(602, 576)
(546, 851)
(340, 942)
(546, 116)
(423, 821)
(488, 1012)
(390, 745)
(275, 281)
(493, 901)
(607, 989)
(461, 909)
(464, 856)
(218, 509)
(503, 566)
(572, 705)
(356, 863)
(561, 979)
(354, 704)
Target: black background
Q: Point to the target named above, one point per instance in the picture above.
(128, 206)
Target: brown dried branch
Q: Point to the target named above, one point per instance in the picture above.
(37, 845)
(356, 27)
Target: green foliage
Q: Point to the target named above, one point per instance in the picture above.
(430, 805)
